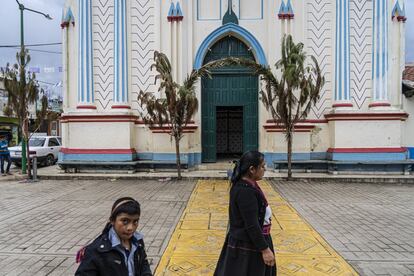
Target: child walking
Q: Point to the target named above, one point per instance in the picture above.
(119, 250)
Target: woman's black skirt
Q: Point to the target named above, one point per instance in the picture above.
(242, 259)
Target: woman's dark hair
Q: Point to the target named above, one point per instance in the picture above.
(126, 205)
(248, 159)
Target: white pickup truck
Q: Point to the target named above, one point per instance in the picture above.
(45, 148)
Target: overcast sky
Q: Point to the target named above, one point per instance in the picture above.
(38, 29)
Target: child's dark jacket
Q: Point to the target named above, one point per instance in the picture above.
(101, 259)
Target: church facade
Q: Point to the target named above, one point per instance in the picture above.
(361, 116)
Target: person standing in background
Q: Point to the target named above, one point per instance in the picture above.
(5, 155)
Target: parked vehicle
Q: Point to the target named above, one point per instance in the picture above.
(45, 148)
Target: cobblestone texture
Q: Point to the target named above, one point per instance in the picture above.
(42, 225)
(371, 226)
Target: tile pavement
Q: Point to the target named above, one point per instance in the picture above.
(370, 225)
(43, 224)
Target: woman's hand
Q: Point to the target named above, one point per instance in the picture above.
(268, 257)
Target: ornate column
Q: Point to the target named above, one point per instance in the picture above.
(121, 85)
(380, 55)
(86, 99)
(342, 56)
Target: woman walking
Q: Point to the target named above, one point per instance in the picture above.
(248, 248)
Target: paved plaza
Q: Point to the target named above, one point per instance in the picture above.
(43, 224)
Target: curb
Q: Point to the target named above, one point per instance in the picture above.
(356, 179)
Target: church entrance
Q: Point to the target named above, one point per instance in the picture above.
(229, 105)
(229, 132)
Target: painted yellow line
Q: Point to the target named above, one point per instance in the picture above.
(197, 240)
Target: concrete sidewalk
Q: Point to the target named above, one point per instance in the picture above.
(55, 173)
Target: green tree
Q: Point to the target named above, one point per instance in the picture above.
(177, 105)
(289, 94)
(23, 91)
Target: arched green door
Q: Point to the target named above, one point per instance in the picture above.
(231, 89)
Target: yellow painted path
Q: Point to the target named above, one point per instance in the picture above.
(197, 240)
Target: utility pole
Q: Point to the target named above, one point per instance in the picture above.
(25, 122)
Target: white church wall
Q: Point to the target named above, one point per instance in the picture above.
(408, 129)
(365, 134)
(99, 135)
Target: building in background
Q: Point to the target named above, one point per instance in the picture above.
(361, 121)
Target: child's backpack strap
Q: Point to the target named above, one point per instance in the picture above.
(80, 254)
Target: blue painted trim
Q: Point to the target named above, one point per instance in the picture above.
(367, 156)
(289, 8)
(191, 158)
(410, 152)
(171, 11)
(223, 31)
(208, 19)
(97, 157)
(116, 56)
(178, 11)
(318, 155)
(342, 64)
(120, 53)
(277, 156)
(282, 7)
(69, 16)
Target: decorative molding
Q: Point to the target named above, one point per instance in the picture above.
(342, 105)
(342, 61)
(366, 150)
(380, 51)
(396, 116)
(167, 129)
(97, 151)
(143, 44)
(67, 18)
(103, 31)
(286, 10)
(175, 14)
(379, 104)
(319, 43)
(297, 128)
(237, 31)
(307, 121)
(398, 12)
(85, 54)
(120, 107)
(361, 56)
(121, 87)
(98, 118)
(85, 107)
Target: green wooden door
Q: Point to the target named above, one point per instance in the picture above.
(230, 86)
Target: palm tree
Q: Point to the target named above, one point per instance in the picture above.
(22, 91)
(289, 95)
(178, 106)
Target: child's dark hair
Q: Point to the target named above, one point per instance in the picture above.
(126, 205)
(248, 159)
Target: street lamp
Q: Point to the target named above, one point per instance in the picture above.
(22, 75)
(22, 8)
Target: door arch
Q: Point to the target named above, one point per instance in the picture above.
(230, 88)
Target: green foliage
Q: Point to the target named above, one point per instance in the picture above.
(180, 103)
(178, 106)
(22, 91)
